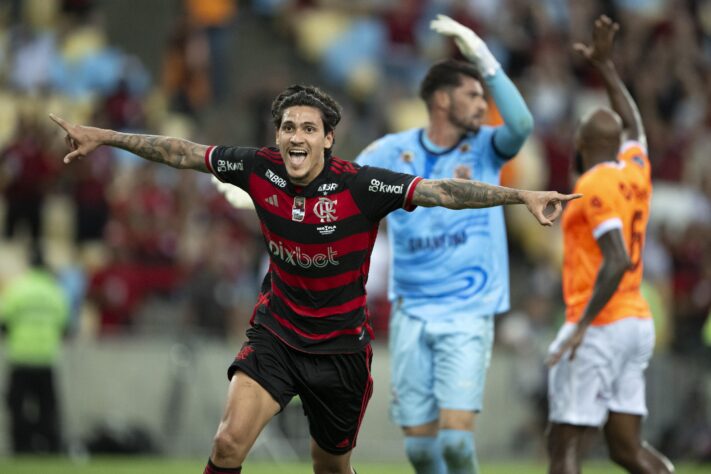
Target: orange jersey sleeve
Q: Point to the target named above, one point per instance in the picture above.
(633, 153)
(616, 196)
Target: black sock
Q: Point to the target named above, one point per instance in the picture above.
(212, 469)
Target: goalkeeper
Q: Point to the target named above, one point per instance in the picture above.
(449, 271)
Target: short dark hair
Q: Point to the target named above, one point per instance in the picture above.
(297, 94)
(444, 74)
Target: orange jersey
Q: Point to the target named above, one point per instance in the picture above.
(616, 195)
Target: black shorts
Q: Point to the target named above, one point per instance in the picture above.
(334, 388)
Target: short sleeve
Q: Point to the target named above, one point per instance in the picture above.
(633, 154)
(378, 191)
(631, 149)
(231, 164)
(601, 203)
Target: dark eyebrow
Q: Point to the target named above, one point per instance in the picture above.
(302, 124)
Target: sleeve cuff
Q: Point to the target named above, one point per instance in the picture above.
(208, 158)
(606, 226)
(408, 206)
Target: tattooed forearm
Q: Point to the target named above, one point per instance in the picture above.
(175, 152)
(463, 194)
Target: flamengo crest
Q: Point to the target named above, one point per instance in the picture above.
(325, 209)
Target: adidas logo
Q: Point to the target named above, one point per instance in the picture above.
(272, 200)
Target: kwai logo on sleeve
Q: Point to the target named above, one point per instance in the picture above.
(224, 166)
(377, 186)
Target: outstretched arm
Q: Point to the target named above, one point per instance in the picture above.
(467, 194)
(599, 54)
(175, 152)
(518, 121)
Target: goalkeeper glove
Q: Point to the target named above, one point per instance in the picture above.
(469, 43)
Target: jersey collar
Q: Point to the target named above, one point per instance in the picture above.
(424, 144)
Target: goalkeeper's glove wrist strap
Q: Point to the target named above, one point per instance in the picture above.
(485, 62)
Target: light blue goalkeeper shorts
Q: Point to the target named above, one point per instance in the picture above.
(437, 365)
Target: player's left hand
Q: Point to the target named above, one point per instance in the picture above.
(539, 203)
(468, 42)
(600, 51)
(571, 344)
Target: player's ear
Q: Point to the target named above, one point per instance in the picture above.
(329, 139)
(441, 98)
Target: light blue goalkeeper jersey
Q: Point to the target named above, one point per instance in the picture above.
(445, 264)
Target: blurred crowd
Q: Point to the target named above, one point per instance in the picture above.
(139, 247)
(121, 231)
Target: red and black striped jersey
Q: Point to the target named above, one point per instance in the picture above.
(319, 239)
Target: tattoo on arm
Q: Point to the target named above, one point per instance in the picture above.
(176, 152)
(463, 194)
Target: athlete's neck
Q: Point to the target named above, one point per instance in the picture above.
(597, 157)
(443, 136)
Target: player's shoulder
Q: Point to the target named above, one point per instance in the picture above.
(268, 153)
(633, 150)
(341, 166)
(634, 154)
(601, 176)
(243, 152)
(391, 143)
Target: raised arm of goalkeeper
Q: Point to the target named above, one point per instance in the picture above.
(518, 121)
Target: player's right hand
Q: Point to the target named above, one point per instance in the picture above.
(569, 345)
(80, 140)
(603, 37)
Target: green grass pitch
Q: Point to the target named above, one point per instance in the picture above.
(194, 466)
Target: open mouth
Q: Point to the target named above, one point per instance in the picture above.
(297, 157)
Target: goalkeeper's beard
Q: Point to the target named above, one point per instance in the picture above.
(471, 125)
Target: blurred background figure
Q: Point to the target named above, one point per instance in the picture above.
(34, 313)
(214, 19)
(27, 172)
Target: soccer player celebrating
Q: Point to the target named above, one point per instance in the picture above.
(319, 216)
(449, 272)
(600, 354)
